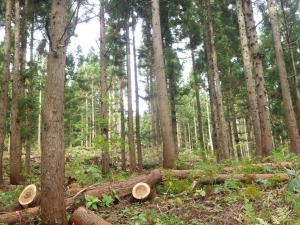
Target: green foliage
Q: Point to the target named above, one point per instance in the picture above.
(174, 185)
(228, 186)
(107, 200)
(248, 212)
(292, 200)
(251, 192)
(92, 202)
(9, 198)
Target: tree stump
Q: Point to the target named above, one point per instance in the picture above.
(83, 216)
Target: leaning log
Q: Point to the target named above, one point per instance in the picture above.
(83, 216)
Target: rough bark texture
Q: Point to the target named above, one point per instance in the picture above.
(198, 105)
(132, 158)
(83, 216)
(285, 88)
(104, 94)
(224, 145)
(5, 83)
(15, 163)
(249, 78)
(53, 148)
(211, 85)
(169, 155)
(262, 101)
(292, 60)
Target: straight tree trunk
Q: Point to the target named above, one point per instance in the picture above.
(199, 114)
(224, 148)
(53, 210)
(123, 154)
(285, 88)
(137, 105)
(216, 139)
(234, 127)
(15, 127)
(104, 91)
(292, 59)
(261, 92)
(5, 83)
(132, 158)
(249, 78)
(22, 86)
(169, 153)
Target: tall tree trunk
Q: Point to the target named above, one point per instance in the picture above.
(40, 118)
(15, 127)
(234, 127)
(53, 210)
(132, 158)
(123, 154)
(261, 92)
(5, 83)
(224, 148)
(216, 139)
(86, 121)
(22, 85)
(199, 113)
(104, 91)
(292, 59)
(137, 105)
(169, 154)
(285, 88)
(249, 78)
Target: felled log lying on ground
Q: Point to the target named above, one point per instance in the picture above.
(83, 216)
(123, 188)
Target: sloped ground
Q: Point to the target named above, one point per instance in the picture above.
(176, 202)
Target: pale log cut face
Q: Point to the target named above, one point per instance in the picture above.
(141, 191)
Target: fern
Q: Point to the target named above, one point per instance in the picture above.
(281, 215)
(262, 222)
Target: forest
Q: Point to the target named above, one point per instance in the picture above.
(123, 134)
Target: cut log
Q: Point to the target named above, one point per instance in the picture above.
(20, 216)
(83, 216)
(122, 188)
(125, 187)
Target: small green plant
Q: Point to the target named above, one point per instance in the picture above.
(107, 200)
(294, 183)
(200, 192)
(92, 202)
(251, 192)
(249, 212)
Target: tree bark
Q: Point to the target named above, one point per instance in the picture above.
(261, 92)
(104, 92)
(249, 78)
(137, 103)
(132, 158)
(83, 216)
(169, 154)
(292, 60)
(53, 146)
(223, 147)
(15, 164)
(285, 88)
(199, 113)
(5, 83)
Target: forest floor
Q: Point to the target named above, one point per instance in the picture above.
(177, 201)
